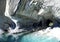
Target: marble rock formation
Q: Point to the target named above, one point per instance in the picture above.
(5, 22)
(29, 12)
(34, 11)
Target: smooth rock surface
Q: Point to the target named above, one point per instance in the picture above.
(28, 12)
(5, 22)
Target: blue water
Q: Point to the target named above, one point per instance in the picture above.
(32, 38)
(27, 38)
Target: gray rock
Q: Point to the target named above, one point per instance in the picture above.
(5, 22)
(28, 12)
(2, 6)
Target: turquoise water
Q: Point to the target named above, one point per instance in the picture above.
(36, 38)
(32, 38)
(28, 38)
